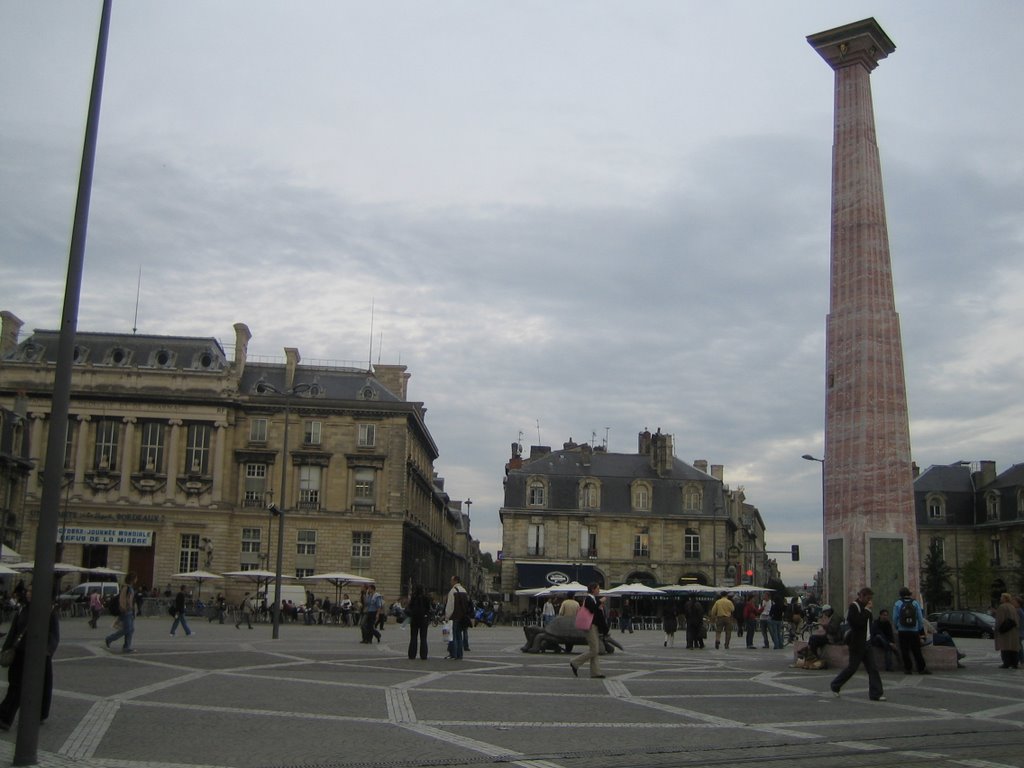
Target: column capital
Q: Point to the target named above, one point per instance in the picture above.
(862, 42)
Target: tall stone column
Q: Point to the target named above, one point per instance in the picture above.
(870, 536)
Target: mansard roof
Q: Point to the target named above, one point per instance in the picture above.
(1011, 478)
(570, 463)
(948, 478)
(126, 350)
(325, 382)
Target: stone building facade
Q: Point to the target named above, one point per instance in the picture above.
(585, 514)
(964, 505)
(175, 452)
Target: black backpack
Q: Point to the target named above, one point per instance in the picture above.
(908, 615)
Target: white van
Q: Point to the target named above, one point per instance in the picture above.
(296, 593)
(80, 594)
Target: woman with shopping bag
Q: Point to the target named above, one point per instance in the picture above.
(591, 619)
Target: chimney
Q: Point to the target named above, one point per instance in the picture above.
(536, 451)
(394, 377)
(586, 453)
(987, 473)
(915, 471)
(643, 443)
(10, 327)
(701, 465)
(516, 461)
(291, 361)
(661, 453)
(718, 472)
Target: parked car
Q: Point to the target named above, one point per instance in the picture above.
(966, 624)
(80, 593)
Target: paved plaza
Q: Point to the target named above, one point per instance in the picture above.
(316, 698)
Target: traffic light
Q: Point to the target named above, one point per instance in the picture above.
(748, 577)
(795, 552)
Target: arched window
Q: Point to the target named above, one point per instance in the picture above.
(693, 498)
(936, 504)
(641, 497)
(535, 493)
(590, 496)
(992, 505)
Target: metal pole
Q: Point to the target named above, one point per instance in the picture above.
(27, 742)
(280, 521)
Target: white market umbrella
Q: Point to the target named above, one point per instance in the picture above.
(197, 576)
(103, 571)
(8, 555)
(632, 589)
(747, 588)
(531, 592)
(62, 568)
(569, 588)
(260, 577)
(339, 579)
(5, 571)
(689, 589)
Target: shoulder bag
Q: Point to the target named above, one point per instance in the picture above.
(584, 618)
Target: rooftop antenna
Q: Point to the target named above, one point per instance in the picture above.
(538, 431)
(138, 292)
(380, 345)
(606, 431)
(369, 361)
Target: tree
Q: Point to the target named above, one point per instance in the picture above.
(935, 579)
(487, 561)
(977, 578)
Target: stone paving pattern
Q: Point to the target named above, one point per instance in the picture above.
(317, 697)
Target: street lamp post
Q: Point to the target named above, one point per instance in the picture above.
(278, 511)
(824, 549)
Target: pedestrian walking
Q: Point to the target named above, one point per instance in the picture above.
(179, 613)
(694, 615)
(549, 611)
(591, 608)
(858, 617)
(669, 623)
(1007, 638)
(125, 626)
(95, 607)
(372, 604)
(457, 611)
(721, 617)
(245, 611)
(15, 639)
(909, 617)
(220, 607)
(418, 612)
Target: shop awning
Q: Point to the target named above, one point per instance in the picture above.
(533, 575)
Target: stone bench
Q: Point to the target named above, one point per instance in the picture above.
(936, 657)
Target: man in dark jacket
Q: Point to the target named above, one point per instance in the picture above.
(858, 617)
(16, 636)
(882, 637)
(598, 628)
(179, 613)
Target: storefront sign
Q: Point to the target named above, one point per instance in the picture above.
(117, 537)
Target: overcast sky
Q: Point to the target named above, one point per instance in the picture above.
(572, 219)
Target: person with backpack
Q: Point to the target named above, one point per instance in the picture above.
(858, 618)
(457, 610)
(245, 611)
(909, 620)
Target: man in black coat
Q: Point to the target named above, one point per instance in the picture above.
(858, 617)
